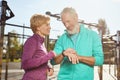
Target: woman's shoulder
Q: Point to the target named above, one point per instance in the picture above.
(31, 40)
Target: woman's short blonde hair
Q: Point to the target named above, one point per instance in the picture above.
(37, 20)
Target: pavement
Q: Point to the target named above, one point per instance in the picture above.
(15, 72)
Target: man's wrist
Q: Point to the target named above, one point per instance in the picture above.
(63, 54)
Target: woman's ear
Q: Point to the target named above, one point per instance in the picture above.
(38, 28)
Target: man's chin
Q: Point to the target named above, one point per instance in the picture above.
(71, 32)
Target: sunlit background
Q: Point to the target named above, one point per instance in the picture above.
(88, 10)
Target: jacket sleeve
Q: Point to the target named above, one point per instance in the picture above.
(57, 49)
(30, 62)
(97, 50)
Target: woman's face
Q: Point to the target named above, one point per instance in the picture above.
(44, 29)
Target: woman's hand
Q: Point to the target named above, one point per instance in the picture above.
(50, 72)
(54, 53)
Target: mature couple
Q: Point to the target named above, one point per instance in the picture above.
(77, 51)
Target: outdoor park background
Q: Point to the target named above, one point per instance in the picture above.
(88, 10)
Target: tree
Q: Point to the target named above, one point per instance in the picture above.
(14, 46)
(102, 26)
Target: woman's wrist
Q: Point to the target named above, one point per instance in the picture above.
(54, 53)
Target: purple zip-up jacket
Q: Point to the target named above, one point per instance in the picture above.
(35, 58)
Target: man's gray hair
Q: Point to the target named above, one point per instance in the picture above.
(70, 10)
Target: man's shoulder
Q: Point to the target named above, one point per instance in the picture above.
(90, 31)
(63, 35)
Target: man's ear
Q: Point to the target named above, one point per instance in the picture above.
(76, 17)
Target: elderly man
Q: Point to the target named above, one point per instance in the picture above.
(78, 50)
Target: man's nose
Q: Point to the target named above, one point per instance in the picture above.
(66, 25)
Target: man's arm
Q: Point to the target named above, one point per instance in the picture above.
(98, 56)
(58, 59)
(87, 60)
(70, 53)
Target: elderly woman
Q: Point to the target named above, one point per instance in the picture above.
(35, 56)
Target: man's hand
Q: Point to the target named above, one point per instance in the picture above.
(72, 55)
(69, 51)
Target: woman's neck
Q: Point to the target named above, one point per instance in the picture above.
(40, 34)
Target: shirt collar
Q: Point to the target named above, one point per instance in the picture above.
(39, 38)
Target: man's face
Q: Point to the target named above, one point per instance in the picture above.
(69, 22)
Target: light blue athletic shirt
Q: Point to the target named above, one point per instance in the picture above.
(87, 43)
(74, 37)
